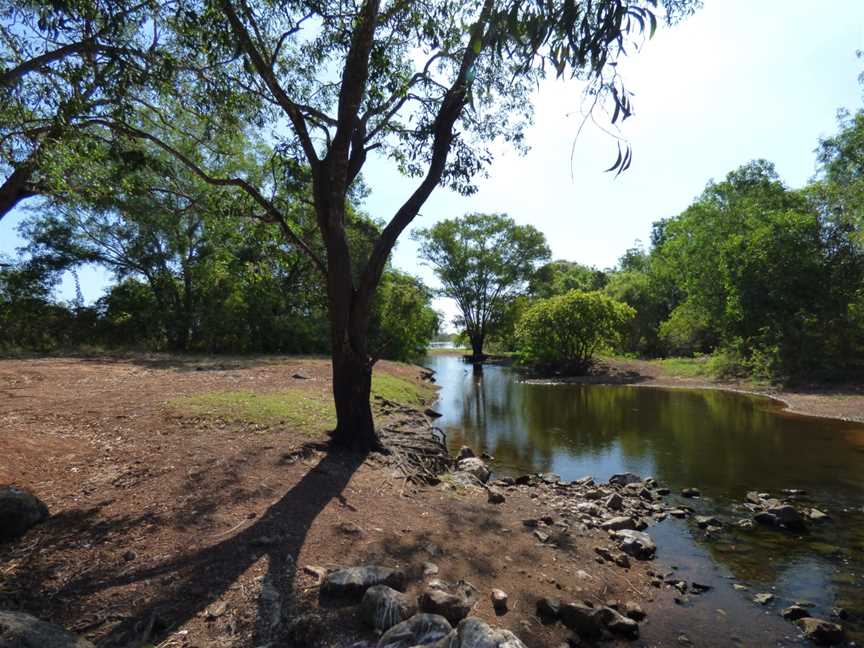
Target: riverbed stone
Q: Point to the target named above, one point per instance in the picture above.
(794, 612)
(474, 467)
(617, 622)
(453, 604)
(623, 479)
(822, 633)
(581, 619)
(690, 492)
(788, 516)
(763, 598)
(815, 515)
(548, 609)
(383, 607)
(20, 630)
(419, 630)
(476, 633)
(618, 523)
(353, 582)
(705, 521)
(499, 600)
(614, 502)
(494, 495)
(766, 518)
(636, 544)
(19, 512)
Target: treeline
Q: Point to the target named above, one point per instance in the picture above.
(189, 274)
(766, 280)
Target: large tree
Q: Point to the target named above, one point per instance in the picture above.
(482, 261)
(429, 85)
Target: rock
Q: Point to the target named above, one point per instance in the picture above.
(766, 518)
(419, 630)
(548, 609)
(318, 573)
(617, 622)
(19, 630)
(429, 569)
(474, 467)
(820, 632)
(452, 605)
(524, 480)
(794, 612)
(690, 492)
(300, 376)
(354, 581)
(700, 588)
(788, 516)
(499, 600)
(604, 553)
(531, 523)
(623, 479)
(763, 599)
(475, 633)
(679, 513)
(614, 502)
(753, 497)
(465, 452)
(636, 544)
(383, 607)
(745, 524)
(663, 491)
(542, 537)
(594, 494)
(19, 512)
(618, 523)
(703, 521)
(632, 610)
(581, 620)
(815, 515)
(432, 413)
(549, 478)
(349, 528)
(589, 509)
(494, 495)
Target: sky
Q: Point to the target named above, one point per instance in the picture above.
(738, 80)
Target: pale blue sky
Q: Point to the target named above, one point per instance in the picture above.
(741, 79)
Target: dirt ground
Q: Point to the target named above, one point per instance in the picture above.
(183, 531)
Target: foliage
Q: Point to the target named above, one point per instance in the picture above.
(559, 277)
(565, 330)
(483, 262)
(404, 321)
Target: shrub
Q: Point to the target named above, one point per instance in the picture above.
(565, 331)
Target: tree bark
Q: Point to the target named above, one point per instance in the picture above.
(16, 188)
(477, 347)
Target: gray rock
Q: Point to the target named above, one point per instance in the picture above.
(614, 502)
(636, 544)
(794, 612)
(454, 605)
(815, 515)
(618, 523)
(19, 630)
(788, 516)
(622, 479)
(541, 536)
(494, 495)
(764, 598)
(354, 581)
(548, 609)
(474, 467)
(633, 610)
(581, 619)
(465, 452)
(499, 600)
(766, 518)
(549, 478)
(474, 633)
(703, 521)
(617, 622)
(19, 512)
(822, 633)
(383, 607)
(690, 492)
(420, 629)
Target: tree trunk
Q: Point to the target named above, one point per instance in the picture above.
(352, 385)
(477, 348)
(16, 188)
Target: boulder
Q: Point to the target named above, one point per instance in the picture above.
(618, 523)
(581, 619)
(19, 630)
(788, 516)
(636, 544)
(475, 633)
(820, 632)
(614, 502)
(704, 521)
(794, 612)
(383, 607)
(454, 605)
(465, 452)
(474, 467)
(354, 581)
(622, 479)
(420, 629)
(548, 609)
(617, 623)
(19, 511)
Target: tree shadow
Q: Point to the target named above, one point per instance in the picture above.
(192, 582)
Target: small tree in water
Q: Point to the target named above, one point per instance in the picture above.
(482, 261)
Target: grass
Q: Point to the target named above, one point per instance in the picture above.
(298, 407)
(685, 367)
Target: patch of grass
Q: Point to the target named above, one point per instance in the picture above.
(685, 367)
(298, 407)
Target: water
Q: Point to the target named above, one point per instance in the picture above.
(722, 443)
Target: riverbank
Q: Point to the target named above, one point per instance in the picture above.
(182, 515)
(843, 402)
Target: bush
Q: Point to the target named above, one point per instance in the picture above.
(565, 331)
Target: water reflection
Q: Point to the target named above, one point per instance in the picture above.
(725, 444)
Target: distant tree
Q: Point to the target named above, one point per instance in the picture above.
(559, 277)
(404, 321)
(482, 261)
(564, 331)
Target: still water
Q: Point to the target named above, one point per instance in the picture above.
(722, 443)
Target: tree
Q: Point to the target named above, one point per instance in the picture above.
(564, 331)
(559, 277)
(61, 66)
(429, 85)
(482, 261)
(403, 321)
